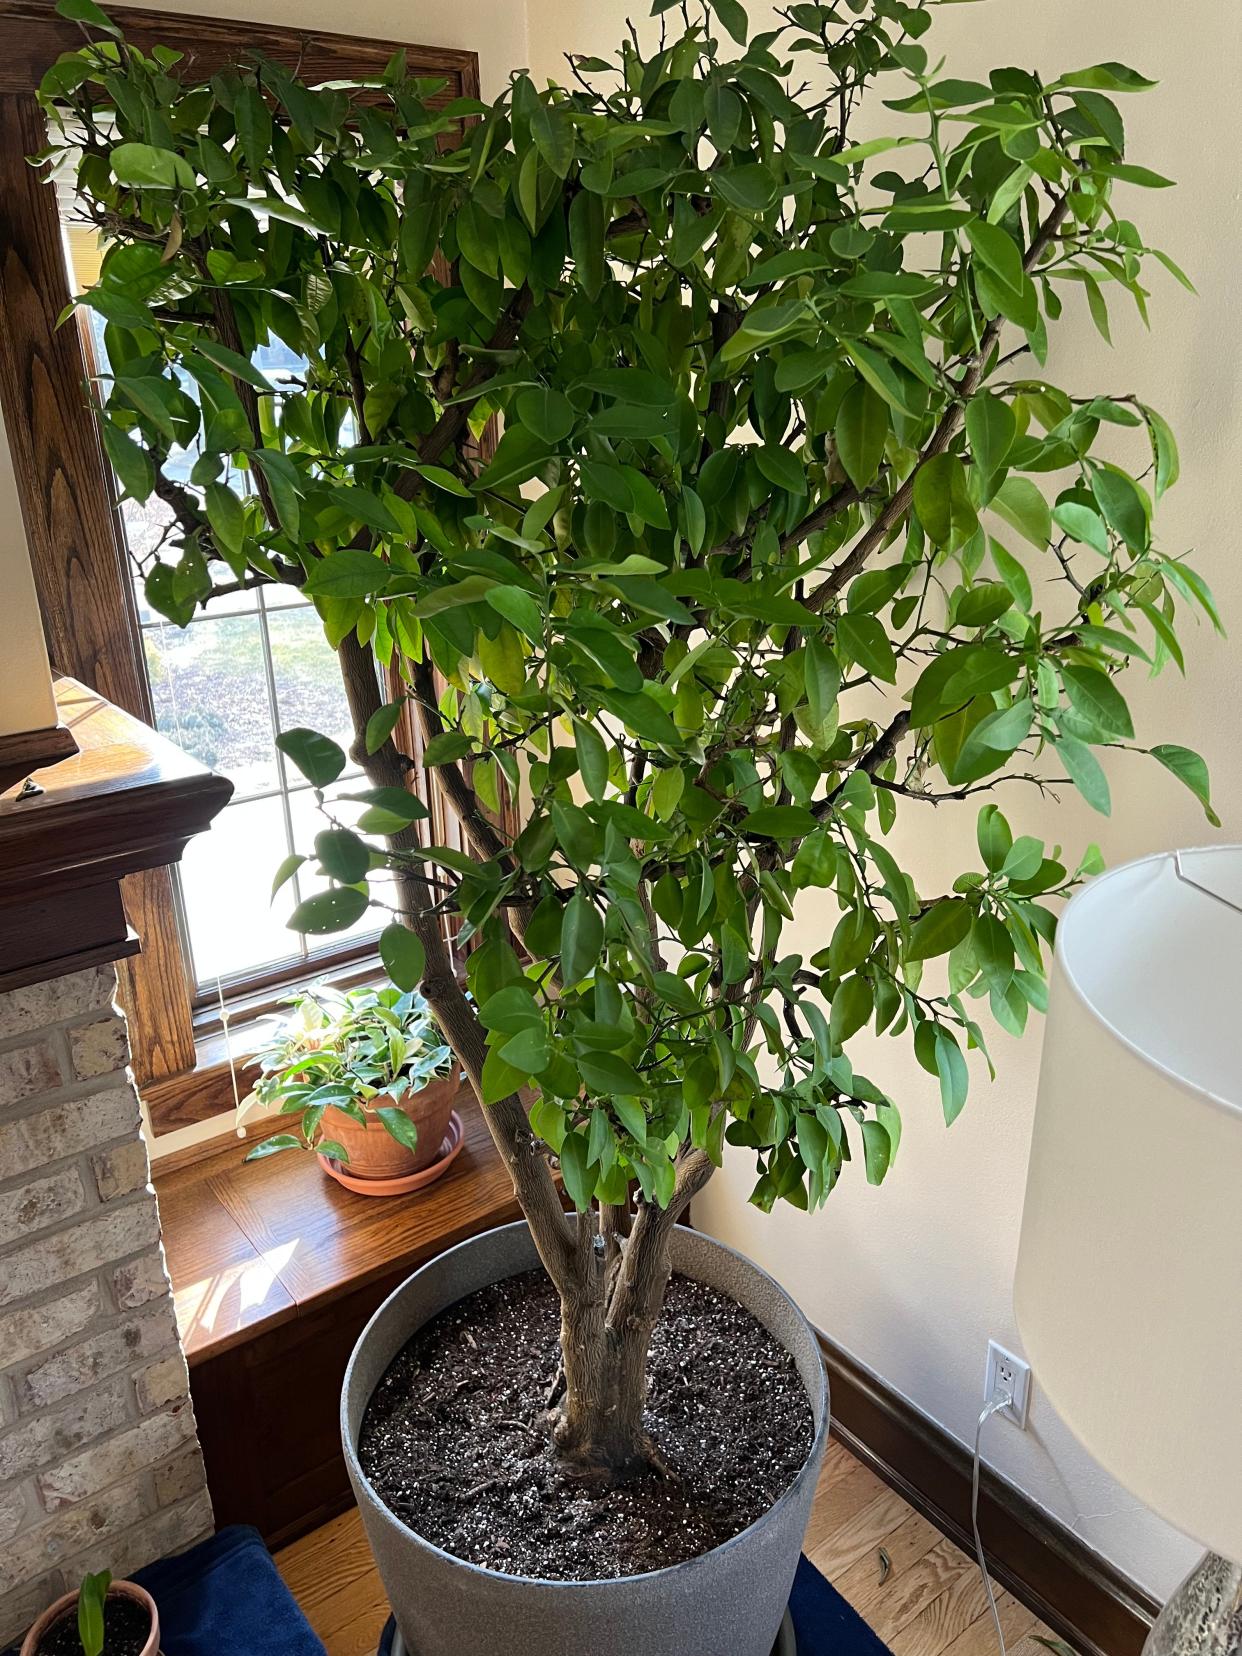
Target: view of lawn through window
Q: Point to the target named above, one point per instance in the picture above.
(246, 667)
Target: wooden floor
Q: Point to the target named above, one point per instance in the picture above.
(916, 1589)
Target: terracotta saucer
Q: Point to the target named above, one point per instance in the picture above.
(450, 1147)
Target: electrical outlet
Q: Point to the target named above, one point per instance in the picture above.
(1010, 1376)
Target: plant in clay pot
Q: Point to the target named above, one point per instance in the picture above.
(789, 537)
(369, 1075)
(103, 1618)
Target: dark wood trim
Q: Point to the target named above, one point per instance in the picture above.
(29, 750)
(126, 801)
(1086, 1600)
(34, 37)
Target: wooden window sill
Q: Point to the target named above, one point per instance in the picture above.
(253, 1245)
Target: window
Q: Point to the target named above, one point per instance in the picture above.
(252, 664)
(247, 667)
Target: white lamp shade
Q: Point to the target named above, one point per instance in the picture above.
(1129, 1283)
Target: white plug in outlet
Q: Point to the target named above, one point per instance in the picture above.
(1008, 1376)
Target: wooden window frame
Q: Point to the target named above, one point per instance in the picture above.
(72, 522)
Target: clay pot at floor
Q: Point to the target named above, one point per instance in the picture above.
(372, 1150)
(726, 1602)
(69, 1604)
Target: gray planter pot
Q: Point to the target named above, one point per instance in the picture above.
(728, 1602)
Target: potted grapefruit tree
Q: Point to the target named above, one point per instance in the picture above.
(789, 532)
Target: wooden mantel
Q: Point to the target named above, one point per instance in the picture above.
(127, 800)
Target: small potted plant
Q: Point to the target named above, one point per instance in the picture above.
(103, 1618)
(374, 1082)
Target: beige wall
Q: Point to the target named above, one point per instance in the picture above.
(26, 701)
(916, 1277)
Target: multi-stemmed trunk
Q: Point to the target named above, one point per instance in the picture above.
(611, 1284)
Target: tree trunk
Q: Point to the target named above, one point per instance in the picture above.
(611, 1287)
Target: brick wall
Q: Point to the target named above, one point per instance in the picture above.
(99, 1461)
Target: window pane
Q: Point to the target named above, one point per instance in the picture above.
(308, 676)
(226, 882)
(210, 692)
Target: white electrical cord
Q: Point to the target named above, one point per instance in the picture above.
(994, 1407)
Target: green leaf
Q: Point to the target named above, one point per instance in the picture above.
(329, 911)
(823, 682)
(1189, 768)
(877, 1151)
(576, 1173)
(1164, 451)
(1121, 501)
(396, 803)
(1080, 523)
(343, 855)
(865, 641)
(852, 1003)
(939, 930)
(397, 1125)
(546, 412)
(444, 479)
(447, 747)
(92, 1601)
(861, 431)
(1021, 504)
(273, 1145)
(382, 723)
(582, 938)
(553, 133)
(349, 573)
(956, 677)
(586, 241)
(288, 868)
(519, 454)
(782, 468)
(403, 956)
(499, 1079)
(1085, 772)
(142, 166)
(881, 376)
(592, 758)
(227, 518)
(779, 822)
(86, 11)
(1093, 694)
(1002, 284)
(1013, 575)
(605, 1076)
(1106, 77)
(129, 460)
(942, 500)
(953, 1074)
(994, 836)
(732, 13)
(319, 758)
(991, 429)
(529, 1050)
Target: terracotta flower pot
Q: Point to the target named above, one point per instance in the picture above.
(118, 1589)
(372, 1150)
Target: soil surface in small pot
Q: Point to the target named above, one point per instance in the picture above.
(452, 1440)
(127, 1627)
